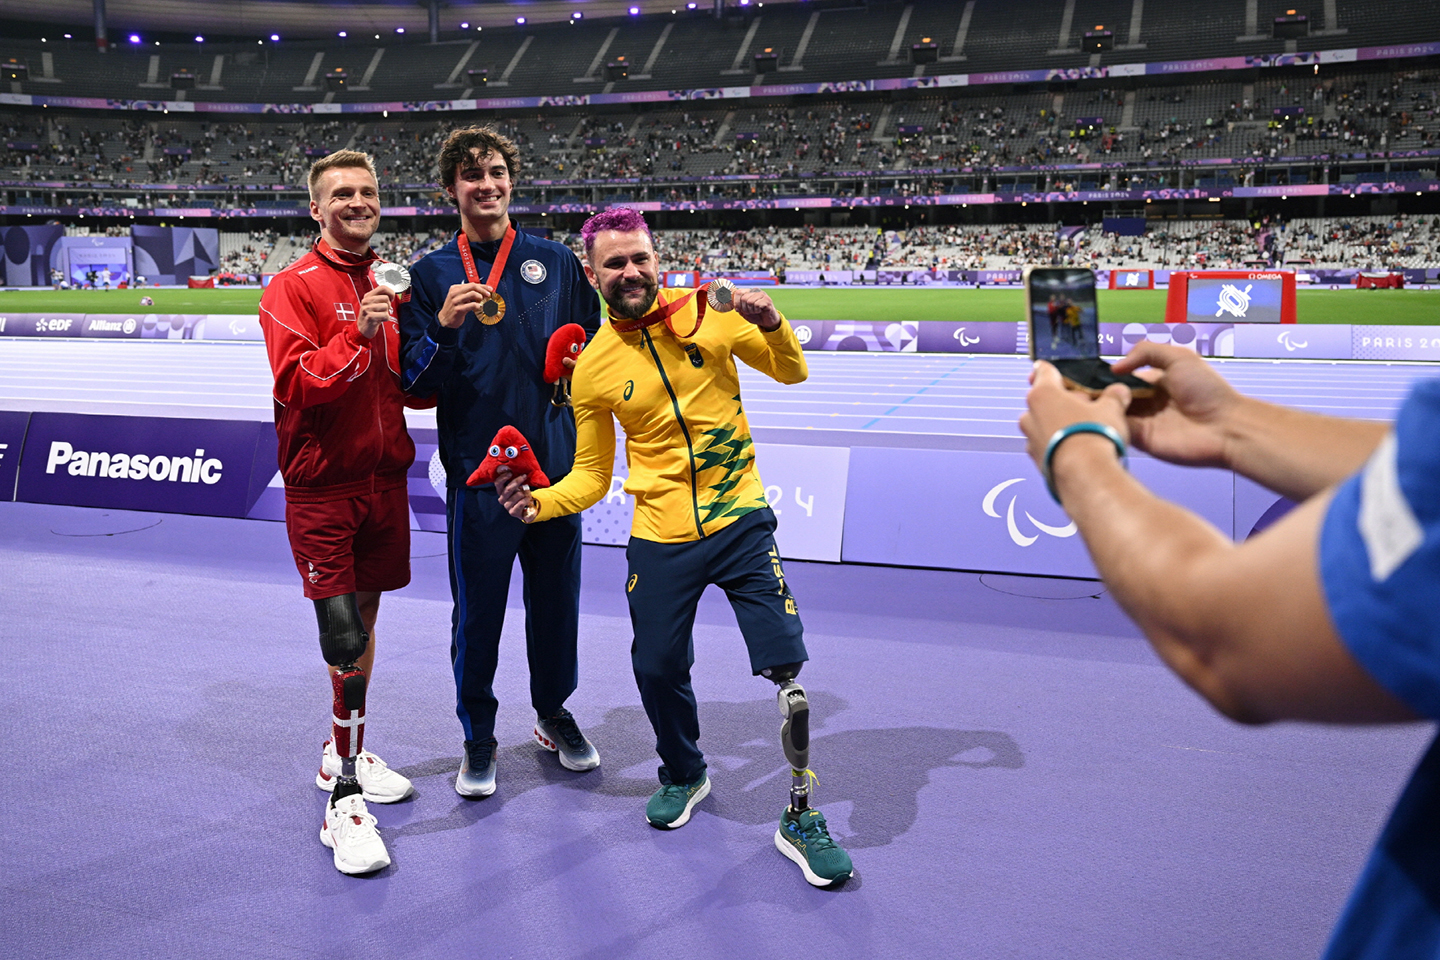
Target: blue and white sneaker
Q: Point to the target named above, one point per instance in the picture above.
(477, 769)
(561, 735)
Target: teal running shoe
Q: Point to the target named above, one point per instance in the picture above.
(804, 839)
(670, 806)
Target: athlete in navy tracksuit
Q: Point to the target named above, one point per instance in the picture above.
(485, 377)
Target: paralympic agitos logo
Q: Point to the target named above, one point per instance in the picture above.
(1020, 538)
(133, 466)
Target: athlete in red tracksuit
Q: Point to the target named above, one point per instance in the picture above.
(339, 410)
(333, 344)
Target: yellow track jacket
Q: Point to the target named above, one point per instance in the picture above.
(687, 442)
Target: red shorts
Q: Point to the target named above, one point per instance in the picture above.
(354, 544)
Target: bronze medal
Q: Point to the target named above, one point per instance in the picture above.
(720, 295)
(492, 311)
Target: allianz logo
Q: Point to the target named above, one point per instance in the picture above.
(126, 326)
(1020, 538)
(133, 466)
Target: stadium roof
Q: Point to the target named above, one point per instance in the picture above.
(321, 18)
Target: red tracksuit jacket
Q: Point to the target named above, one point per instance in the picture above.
(339, 410)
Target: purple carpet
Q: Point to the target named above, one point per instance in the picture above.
(1011, 768)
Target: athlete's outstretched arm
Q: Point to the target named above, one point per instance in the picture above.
(1206, 422)
(1246, 625)
(586, 483)
(767, 341)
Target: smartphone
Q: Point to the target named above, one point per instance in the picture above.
(1065, 330)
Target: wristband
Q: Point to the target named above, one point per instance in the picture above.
(1065, 433)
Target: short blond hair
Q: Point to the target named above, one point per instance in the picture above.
(340, 158)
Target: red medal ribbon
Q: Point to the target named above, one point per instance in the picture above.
(497, 268)
(344, 257)
(664, 313)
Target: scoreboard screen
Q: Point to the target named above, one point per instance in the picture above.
(1235, 300)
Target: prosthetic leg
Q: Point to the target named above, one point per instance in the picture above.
(794, 731)
(802, 835)
(349, 829)
(342, 642)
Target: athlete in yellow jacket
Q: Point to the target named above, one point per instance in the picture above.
(664, 367)
(687, 442)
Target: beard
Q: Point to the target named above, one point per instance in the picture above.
(632, 309)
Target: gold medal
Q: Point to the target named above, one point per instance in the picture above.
(492, 311)
(720, 295)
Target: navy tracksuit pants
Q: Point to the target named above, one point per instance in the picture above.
(484, 541)
(663, 586)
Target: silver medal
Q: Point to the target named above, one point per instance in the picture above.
(391, 275)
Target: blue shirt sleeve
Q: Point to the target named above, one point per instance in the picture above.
(1380, 557)
(427, 350)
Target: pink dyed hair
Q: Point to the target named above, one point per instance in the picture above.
(622, 219)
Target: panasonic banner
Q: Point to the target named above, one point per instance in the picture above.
(141, 463)
(12, 435)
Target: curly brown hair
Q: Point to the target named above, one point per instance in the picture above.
(459, 152)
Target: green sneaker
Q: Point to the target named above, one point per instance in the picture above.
(803, 838)
(670, 806)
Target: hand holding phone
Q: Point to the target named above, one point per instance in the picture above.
(1065, 330)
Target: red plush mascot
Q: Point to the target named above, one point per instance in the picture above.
(564, 344)
(509, 449)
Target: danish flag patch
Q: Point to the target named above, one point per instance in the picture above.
(344, 312)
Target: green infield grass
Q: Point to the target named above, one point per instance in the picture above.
(802, 303)
(218, 300)
(1116, 306)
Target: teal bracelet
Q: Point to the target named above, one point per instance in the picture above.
(1065, 433)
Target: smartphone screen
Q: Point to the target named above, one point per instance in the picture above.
(1064, 321)
(1065, 330)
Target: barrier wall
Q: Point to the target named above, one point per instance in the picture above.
(983, 508)
(1252, 341)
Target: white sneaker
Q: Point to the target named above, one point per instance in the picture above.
(378, 782)
(349, 830)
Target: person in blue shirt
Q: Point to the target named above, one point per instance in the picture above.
(473, 334)
(1331, 615)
